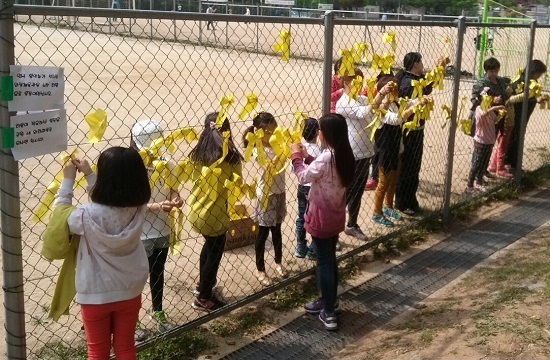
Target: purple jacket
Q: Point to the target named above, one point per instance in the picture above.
(325, 216)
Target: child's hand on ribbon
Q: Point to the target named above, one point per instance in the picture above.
(166, 205)
(177, 202)
(83, 166)
(69, 170)
(298, 148)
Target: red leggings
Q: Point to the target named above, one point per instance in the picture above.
(117, 318)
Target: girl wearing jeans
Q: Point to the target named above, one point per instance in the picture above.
(112, 266)
(329, 174)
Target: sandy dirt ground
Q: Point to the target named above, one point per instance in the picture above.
(178, 83)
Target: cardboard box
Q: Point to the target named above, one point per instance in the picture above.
(242, 229)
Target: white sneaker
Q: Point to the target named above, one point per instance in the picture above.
(280, 271)
(262, 277)
(356, 232)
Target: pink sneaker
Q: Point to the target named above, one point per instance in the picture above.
(504, 174)
(371, 184)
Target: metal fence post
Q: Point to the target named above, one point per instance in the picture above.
(454, 114)
(327, 60)
(10, 220)
(525, 104)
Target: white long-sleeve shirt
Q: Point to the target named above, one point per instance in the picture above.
(358, 115)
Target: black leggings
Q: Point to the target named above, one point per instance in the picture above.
(276, 238)
(211, 256)
(157, 260)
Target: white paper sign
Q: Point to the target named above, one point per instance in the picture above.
(39, 133)
(37, 88)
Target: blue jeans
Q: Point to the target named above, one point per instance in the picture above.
(327, 270)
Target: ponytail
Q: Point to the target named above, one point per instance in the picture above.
(260, 121)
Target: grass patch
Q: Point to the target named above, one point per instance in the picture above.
(348, 269)
(187, 345)
(249, 323)
(293, 296)
(58, 350)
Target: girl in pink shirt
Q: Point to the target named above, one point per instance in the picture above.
(325, 217)
(484, 140)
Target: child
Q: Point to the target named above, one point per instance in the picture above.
(358, 115)
(335, 86)
(408, 180)
(329, 174)
(484, 139)
(156, 229)
(310, 136)
(537, 69)
(210, 217)
(272, 217)
(387, 140)
(111, 268)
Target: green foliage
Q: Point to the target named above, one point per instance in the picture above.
(187, 345)
(238, 325)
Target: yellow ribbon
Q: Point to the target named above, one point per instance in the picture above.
(272, 168)
(183, 172)
(254, 139)
(389, 38)
(97, 121)
(280, 142)
(225, 104)
(519, 87)
(427, 109)
(299, 125)
(347, 63)
(356, 86)
(283, 45)
(466, 126)
(463, 124)
(418, 87)
(402, 104)
(501, 114)
(518, 76)
(379, 114)
(236, 190)
(535, 89)
(251, 103)
(186, 133)
(360, 52)
(382, 62)
(177, 220)
(46, 202)
(436, 77)
(447, 46)
(160, 170)
(486, 101)
(447, 110)
(370, 85)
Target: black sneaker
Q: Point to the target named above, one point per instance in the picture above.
(330, 321)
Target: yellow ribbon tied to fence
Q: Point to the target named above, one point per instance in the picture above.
(254, 140)
(283, 45)
(299, 125)
(389, 38)
(280, 142)
(225, 104)
(373, 125)
(382, 62)
(46, 201)
(465, 126)
(183, 172)
(360, 52)
(402, 104)
(251, 103)
(447, 42)
(236, 190)
(273, 167)
(370, 85)
(97, 121)
(188, 134)
(436, 77)
(346, 68)
(356, 87)
(177, 219)
(447, 111)
(535, 89)
(418, 87)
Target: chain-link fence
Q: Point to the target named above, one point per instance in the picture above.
(174, 68)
